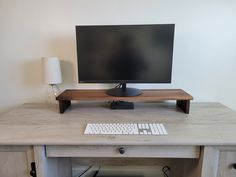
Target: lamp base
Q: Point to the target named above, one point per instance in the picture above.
(56, 90)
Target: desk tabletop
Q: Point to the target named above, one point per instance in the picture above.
(41, 124)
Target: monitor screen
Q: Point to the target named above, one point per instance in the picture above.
(125, 53)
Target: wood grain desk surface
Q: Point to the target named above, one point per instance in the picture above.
(41, 124)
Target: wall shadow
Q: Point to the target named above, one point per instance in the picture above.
(67, 73)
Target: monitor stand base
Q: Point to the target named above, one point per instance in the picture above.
(124, 91)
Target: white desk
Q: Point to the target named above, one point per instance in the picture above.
(202, 143)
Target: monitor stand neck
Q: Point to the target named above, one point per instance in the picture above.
(124, 91)
(123, 86)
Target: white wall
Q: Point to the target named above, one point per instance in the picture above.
(204, 53)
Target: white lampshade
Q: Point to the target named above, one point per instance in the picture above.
(51, 69)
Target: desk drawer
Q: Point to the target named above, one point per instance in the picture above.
(124, 151)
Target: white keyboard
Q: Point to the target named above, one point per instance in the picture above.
(125, 129)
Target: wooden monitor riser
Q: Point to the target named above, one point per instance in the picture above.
(182, 98)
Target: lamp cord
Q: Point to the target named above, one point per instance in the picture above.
(96, 172)
(166, 171)
(85, 171)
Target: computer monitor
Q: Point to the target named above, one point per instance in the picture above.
(125, 54)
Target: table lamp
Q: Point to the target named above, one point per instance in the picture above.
(51, 70)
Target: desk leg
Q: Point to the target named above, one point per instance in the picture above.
(184, 105)
(63, 105)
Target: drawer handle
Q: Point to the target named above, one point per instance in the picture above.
(33, 170)
(234, 165)
(121, 150)
(32, 173)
